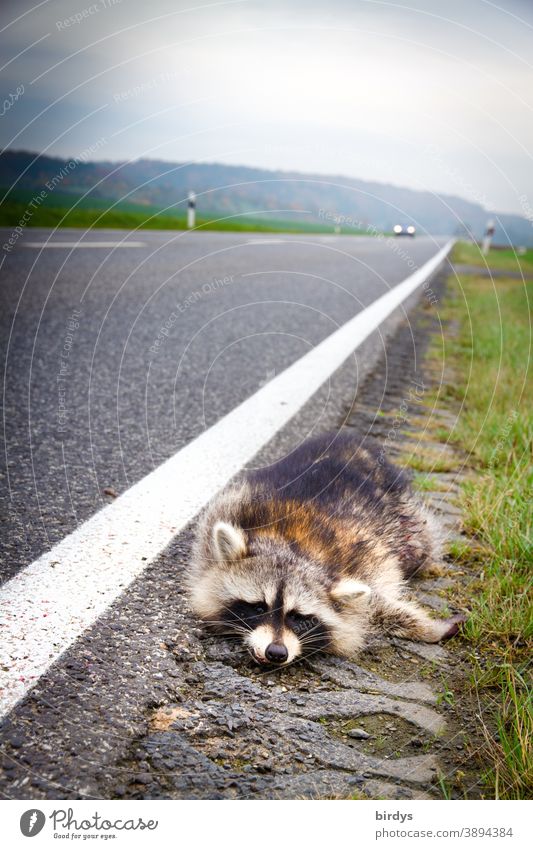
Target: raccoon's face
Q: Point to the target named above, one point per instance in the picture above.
(281, 606)
(272, 628)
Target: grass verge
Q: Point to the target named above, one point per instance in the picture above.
(467, 253)
(59, 210)
(492, 352)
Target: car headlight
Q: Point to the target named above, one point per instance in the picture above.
(397, 228)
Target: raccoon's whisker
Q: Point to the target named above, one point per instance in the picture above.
(276, 609)
(234, 628)
(309, 636)
(302, 657)
(311, 629)
(229, 634)
(244, 622)
(225, 622)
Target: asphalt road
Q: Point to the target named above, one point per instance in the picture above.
(236, 310)
(115, 358)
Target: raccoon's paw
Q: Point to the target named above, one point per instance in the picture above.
(453, 626)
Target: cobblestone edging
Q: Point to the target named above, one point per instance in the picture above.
(394, 724)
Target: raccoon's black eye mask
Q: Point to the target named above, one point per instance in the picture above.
(299, 623)
(246, 614)
(256, 608)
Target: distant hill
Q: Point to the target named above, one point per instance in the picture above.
(225, 190)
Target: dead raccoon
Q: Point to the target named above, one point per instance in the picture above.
(313, 552)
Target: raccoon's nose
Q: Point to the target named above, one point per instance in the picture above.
(276, 653)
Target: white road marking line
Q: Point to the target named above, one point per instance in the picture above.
(83, 244)
(49, 603)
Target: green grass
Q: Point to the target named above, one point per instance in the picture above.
(468, 553)
(423, 483)
(492, 352)
(426, 460)
(66, 200)
(446, 696)
(69, 210)
(468, 253)
(445, 786)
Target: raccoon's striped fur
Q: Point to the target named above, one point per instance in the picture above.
(314, 551)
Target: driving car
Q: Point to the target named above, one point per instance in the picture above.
(403, 230)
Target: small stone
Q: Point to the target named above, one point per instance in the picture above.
(359, 734)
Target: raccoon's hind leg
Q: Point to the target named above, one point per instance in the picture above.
(406, 619)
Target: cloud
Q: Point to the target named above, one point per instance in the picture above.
(361, 88)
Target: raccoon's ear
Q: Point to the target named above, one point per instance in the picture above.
(229, 542)
(348, 590)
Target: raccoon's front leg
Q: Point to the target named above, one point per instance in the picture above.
(406, 619)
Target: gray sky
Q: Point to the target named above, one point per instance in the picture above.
(424, 94)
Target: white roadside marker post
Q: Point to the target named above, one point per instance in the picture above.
(191, 210)
(487, 238)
